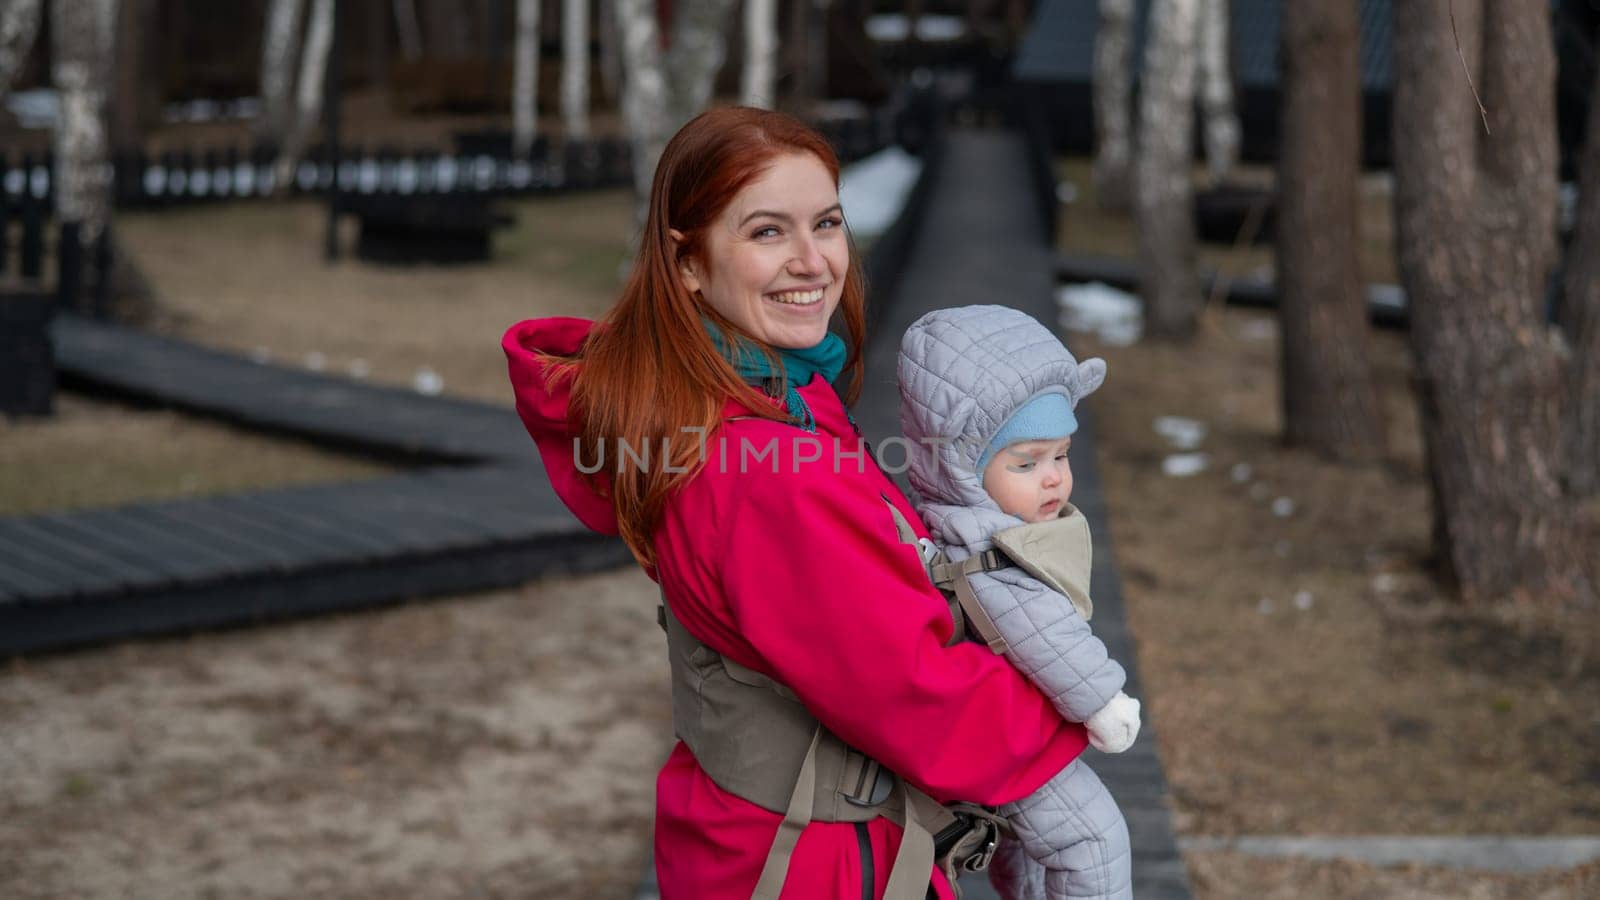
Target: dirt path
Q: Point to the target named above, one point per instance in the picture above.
(499, 745)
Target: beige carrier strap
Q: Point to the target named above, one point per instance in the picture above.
(1058, 552)
(954, 576)
(747, 732)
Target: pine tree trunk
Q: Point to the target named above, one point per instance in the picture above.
(1163, 194)
(84, 32)
(1580, 320)
(1475, 223)
(278, 45)
(525, 80)
(1220, 124)
(760, 53)
(1113, 104)
(19, 26)
(575, 69)
(408, 29)
(1330, 400)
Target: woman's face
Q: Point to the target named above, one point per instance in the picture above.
(775, 260)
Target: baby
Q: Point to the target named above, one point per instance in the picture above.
(987, 395)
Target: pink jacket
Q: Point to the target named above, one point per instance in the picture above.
(793, 568)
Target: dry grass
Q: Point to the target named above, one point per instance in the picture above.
(94, 453)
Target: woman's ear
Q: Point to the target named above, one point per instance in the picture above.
(686, 266)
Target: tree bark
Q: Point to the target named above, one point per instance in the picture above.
(760, 53)
(653, 107)
(84, 33)
(1220, 124)
(308, 100)
(575, 69)
(1330, 400)
(1580, 319)
(525, 80)
(450, 27)
(408, 29)
(1475, 225)
(278, 45)
(1113, 104)
(1163, 193)
(19, 26)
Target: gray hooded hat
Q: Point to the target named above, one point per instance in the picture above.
(964, 372)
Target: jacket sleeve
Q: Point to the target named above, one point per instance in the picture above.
(836, 608)
(1049, 642)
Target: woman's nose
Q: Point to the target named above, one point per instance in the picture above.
(807, 258)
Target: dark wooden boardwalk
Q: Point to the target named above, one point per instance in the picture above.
(981, 241)
(487, 520)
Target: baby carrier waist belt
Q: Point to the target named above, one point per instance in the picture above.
(754, 738)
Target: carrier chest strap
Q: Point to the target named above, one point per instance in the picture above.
(956, 576)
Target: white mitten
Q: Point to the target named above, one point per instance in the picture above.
(1114, 728)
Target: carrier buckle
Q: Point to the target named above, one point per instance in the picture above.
(873, 787)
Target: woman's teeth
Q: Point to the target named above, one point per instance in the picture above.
(798, 298)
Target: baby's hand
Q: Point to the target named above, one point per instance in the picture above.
(1114, 728)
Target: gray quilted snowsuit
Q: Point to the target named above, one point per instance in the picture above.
(963, 372)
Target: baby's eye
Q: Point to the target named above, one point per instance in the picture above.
(1022, 467)
(1062, 455)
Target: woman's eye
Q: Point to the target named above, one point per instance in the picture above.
(831, 222)
(766, 232)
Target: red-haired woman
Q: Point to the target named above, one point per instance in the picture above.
(703, 419)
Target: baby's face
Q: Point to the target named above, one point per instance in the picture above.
(1031, 480)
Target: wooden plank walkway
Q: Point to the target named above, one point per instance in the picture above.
(490, 520)
(982, 242)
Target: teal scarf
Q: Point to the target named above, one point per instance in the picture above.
(827, 357)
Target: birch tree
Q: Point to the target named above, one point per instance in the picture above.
(1113, 104)
(1220, 125)
(278, 46)
(760, 53)
(408, 29)
(19, 25)
(525, 80)
(662, 91)
(1330, 398)
(83, 33)
(308, 97)
(1475, 205)
(1163, 195)
(575, 69)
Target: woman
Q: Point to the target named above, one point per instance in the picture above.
(714, 441)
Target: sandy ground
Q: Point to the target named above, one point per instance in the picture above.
(502, 745)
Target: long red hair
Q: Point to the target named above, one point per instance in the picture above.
(648, 369)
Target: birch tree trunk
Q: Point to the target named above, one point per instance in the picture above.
(525, 80)
(760, 53)
(19, 26)
(308, 99)
(1163, 194)
(661, 92)
(1475, 229)
(1330, 400)
(1220, 124)
(695, 54)
(278, 45)
(575, 69)
(408, 29)
(1580, 319)
(1113, 104)
(83, 33)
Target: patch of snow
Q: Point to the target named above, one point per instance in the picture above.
(893, 27)
(1114, 315)
(428, 382)
(1182, 433)
(873, 190)
(1264, 606)
(1240, 472)
(1182, 465)
(1258, 329)
(358, 368)
(35, 109)
(316, 361)
(1303, 600)
(1283, 507)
